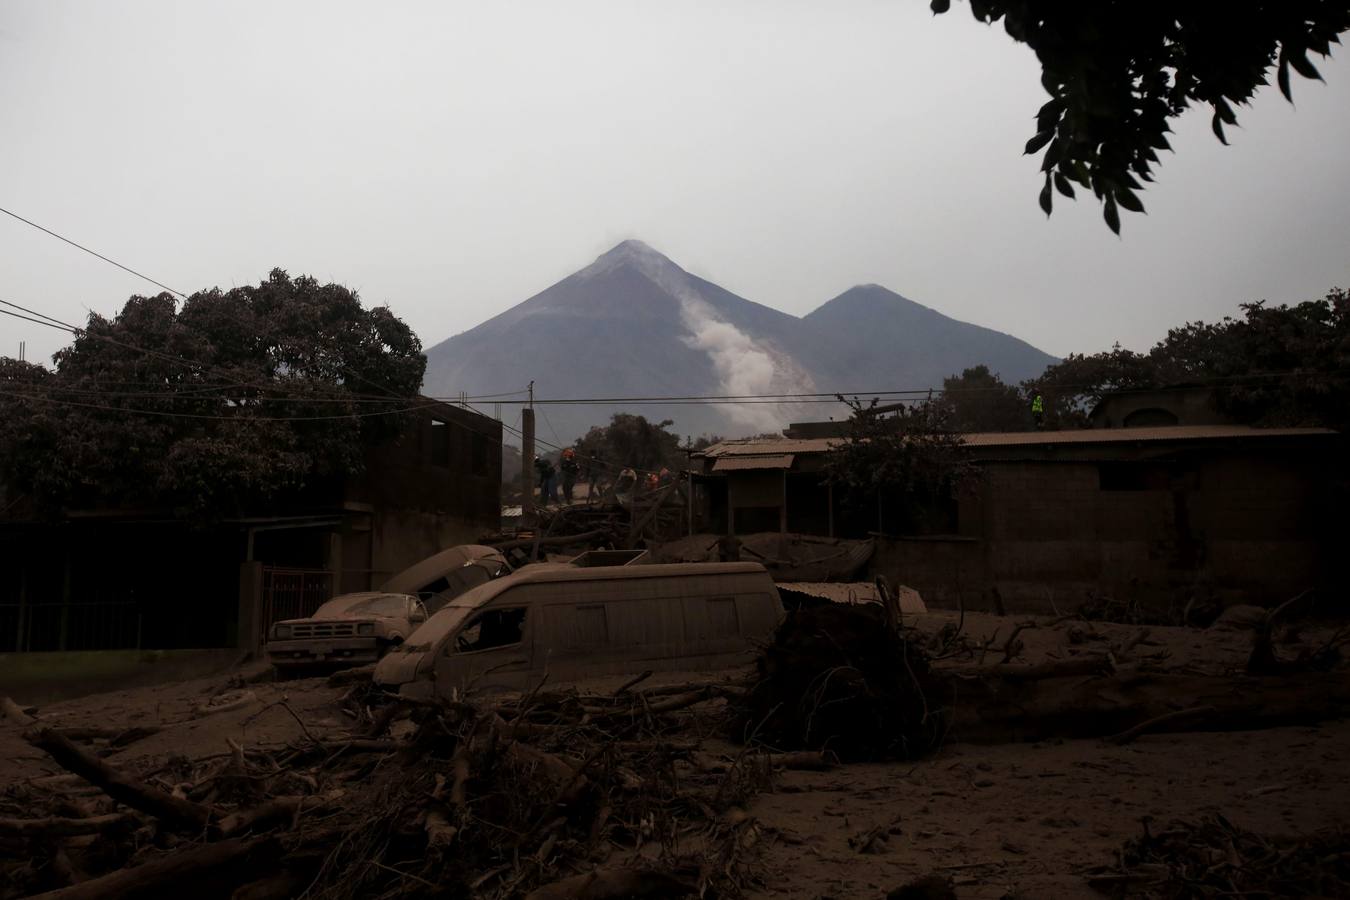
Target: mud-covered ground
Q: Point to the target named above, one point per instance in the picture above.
(1012, 820)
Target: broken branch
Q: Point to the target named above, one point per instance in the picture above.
(123, 788)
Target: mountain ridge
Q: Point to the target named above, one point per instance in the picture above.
(634, 323)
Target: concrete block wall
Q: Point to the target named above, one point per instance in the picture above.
(1045, 536)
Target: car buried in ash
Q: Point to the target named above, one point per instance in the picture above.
(349, 630)
(355, 629)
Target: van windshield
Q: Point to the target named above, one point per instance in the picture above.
(435, 629)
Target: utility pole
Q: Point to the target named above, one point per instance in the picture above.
(527, 518)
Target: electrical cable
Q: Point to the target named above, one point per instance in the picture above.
(91, 252)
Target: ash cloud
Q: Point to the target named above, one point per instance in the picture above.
(743, 366)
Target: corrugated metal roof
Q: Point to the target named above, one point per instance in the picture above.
(776, 446)
(766, 447)
(758, 461)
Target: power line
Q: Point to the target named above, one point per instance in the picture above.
(91, 252)
(28, 319)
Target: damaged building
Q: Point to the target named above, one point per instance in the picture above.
(1158, 514)
(99, 579)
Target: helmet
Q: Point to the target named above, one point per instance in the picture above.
(569, 452)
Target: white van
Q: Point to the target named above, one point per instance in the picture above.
(580, 622)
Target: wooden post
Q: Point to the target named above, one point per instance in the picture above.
(690, 500)
(249, 638)
(335, 561)
(829, 497)
(527, 518)
(63, 639)
(23, 608)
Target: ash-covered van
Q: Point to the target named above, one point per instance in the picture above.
(580, 622)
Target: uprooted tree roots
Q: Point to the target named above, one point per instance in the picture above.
(842, 679)
(852, 681)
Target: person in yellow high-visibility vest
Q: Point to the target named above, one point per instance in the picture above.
(1038, 409)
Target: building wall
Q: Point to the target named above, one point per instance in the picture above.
(756, 499)
(449, 464)
(399, 538)
(1041, 536)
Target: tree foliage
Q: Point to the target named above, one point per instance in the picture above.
(631, 441)
(213, 407)
(1275, 365)
(910, 458)
(1118, 72)
(978, 400)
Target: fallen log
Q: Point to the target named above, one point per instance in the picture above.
(173, 811)
(58, 826)
(263, 814)
(179, 874)
(280, 886)
(680, 701)
(837, 677)
(1158, 723)
(993, 711)
(117, 737)
(1066, 668)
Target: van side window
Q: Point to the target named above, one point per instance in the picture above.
(722, 620)
(492, 628)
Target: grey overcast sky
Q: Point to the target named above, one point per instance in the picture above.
(452, 158)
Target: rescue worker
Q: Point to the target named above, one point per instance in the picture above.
(592, 478)
(1038, 409)
(544, 469)
(570, 468)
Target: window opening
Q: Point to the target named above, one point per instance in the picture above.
(440, 443)
(492, 628)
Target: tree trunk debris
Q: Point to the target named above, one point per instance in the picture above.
(559, 794)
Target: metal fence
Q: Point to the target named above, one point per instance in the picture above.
(292, 594)
(69, 626)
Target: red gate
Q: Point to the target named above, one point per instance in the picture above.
(292, 594)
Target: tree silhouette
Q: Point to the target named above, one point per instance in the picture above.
(1118, 71)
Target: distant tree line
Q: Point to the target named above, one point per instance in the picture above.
(1272, 365)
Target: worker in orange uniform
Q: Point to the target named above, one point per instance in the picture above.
(570, 468)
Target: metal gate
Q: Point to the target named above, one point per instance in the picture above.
(292, 594)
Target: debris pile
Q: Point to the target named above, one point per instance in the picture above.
(1215, 858)
(851, 680)
(845, 679)
(546, 796)
(788, 557)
